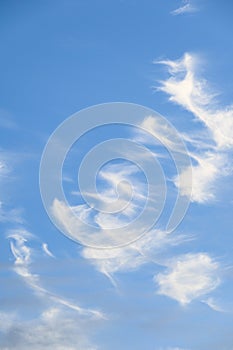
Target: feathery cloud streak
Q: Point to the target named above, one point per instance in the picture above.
(191, 92)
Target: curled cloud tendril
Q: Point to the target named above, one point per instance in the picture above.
(75, 226)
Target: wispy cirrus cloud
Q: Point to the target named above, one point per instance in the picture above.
(208, 169)
(148, 249)
(120, 199)
(10, 215)
(47, 251)
(211, 154)
(54, 322)
(23, 255)
(189, 277)
(153, 246)
(214, 304)
(187, 89)
(187, 7)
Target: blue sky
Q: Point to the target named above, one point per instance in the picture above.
(164, 290)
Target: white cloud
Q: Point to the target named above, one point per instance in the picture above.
(162, 132)
(54, 322)
(210, 167)
(64, 325)
(54, 328)
(117, 205)
(122, 191)
(46, 250)
(189, 277)
(188, 7)
(211, 162)
(193, 93)
(148, 248)
(213, 304)
(127, 258)
(23, 255)
(10, 215)
(19, 249)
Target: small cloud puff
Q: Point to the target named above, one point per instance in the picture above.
(189, 277)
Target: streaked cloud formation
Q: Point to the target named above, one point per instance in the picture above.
(192, 92)
(191, 276)
(58, 323)
(166, 290)
(131, 257)
(185, 277)
(210, 154)
(23, 255)
(187, 7)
